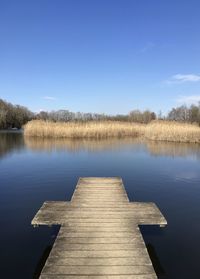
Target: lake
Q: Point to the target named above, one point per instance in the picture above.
(35, 170)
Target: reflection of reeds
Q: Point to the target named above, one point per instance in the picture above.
(161, 148)
(173, 149)
(98, 130)
(49, 144)
(156, 130)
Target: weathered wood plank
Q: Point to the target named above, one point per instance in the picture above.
(99, 236)
(100, 261)
(79, 214)
(137, 206)
(92, 224)
(97, 270)
(98, 240)
(139, 253)
(60, 245)
(138, 276)
(96, 229)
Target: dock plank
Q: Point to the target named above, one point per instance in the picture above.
(99, 236)
(97, 270)
(100, 261)
(140, 276)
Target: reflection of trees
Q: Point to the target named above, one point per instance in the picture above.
(155, 148)
(173, 149)
(9, 142)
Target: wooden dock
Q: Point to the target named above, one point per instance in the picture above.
(99, 236)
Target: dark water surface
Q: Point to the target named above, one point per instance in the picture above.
(33, 171)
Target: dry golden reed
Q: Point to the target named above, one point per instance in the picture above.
(172, 131)
(98, 130)
(156, 130)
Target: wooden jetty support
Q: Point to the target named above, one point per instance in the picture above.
(99, 236)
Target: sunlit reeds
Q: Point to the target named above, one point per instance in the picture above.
(98, 130)
(156, 130)
(172, 131)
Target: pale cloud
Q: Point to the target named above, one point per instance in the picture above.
(180, 78)
(49, 98)
(188, 100)
(147, 47)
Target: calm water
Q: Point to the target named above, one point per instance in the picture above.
(33, 171)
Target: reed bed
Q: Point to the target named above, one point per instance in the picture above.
(156, 130)
(172, 131)
(98, 130)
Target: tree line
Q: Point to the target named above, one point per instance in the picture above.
(183, 113)
(15, 116)
(65, 115)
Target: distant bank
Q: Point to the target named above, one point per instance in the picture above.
(155, 130)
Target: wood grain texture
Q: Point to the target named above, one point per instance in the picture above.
(99, 236)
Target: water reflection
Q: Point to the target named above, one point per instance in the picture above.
(9, 142)
(173, 149)
(44, 169)
(15, 141)
(170, 149)
(75, 145)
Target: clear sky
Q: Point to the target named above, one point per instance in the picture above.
(108, 56)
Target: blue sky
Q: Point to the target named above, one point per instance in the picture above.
(100, 56)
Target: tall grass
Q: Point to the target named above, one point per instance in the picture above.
(172, 131)
(156, 130)
(98, 130)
